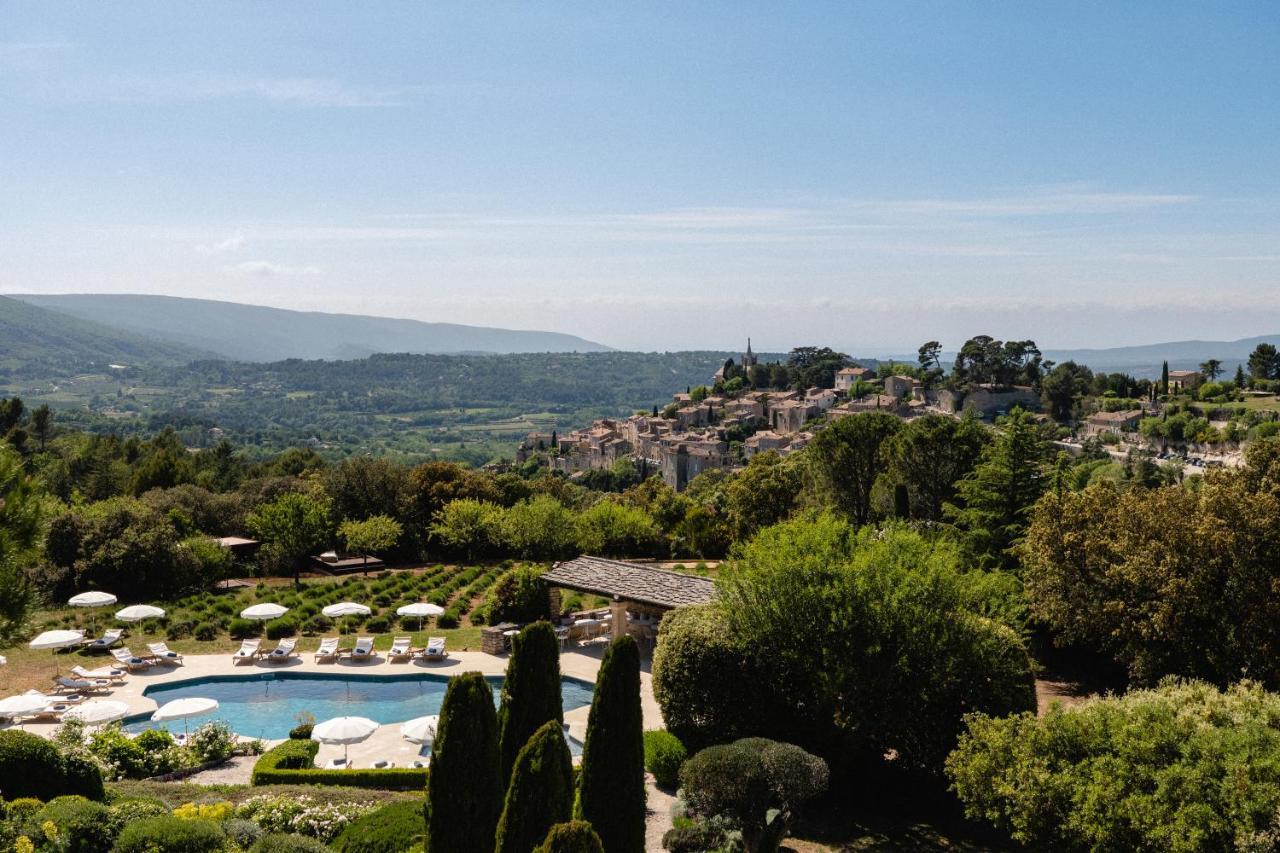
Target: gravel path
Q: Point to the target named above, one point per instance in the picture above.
(235, 772)
(659, 804)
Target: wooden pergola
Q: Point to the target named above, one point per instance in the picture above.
(639, 595)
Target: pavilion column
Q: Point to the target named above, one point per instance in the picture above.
(619, 610)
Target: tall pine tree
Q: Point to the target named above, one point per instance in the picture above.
(540, 794)
(465, 789)
(530, 692)
(611, 793)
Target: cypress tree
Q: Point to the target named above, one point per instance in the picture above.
(540, 794)
(612, 777)
(531, 691)
(464, 791)
(1164, 378)
(576, 836)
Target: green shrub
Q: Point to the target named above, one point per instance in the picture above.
(318, 624)
(280, 628)
(153, 740)
(83, 825)
(611, 789)
(448, 619)
(530, 691)
(170, 835)
(390, 829)
(278, 842)
(1181, 767)
(541, 791)
(241, 629)
(23, 809)
(378, 624)
(137, 808)
(205, 632)
(464, 796)
(212, 742)
(31, 766)
(290, 763)
(518, 595)
(302, 731)
(663, 756)
(245, 833)
(576, 836)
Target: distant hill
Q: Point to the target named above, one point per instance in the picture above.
(255, 333)
(37, 341)
(1145, 360)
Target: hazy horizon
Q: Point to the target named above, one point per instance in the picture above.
(660, 178)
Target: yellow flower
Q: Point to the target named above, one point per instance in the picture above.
(23, 845)
(50, 830)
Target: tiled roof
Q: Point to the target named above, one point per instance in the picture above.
(631, 582)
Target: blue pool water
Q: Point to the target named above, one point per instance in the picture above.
(265, 705)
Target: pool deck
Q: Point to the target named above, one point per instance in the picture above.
(386, 743)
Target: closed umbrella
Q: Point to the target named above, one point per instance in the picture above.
(421, 609)
(92, 598)
(57, 640)
(344, 730)
(182, 709)
(343, 609)
(96, 712)
(421, 729)
(264, 611)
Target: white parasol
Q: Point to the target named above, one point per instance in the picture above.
(182, 709)
(344, 730)
(95, 712)
(343, 609)
(55, 640)
(262, 612)
(421, 729)
(421, 609)
(92, 598)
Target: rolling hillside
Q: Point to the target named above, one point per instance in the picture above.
(255, 333)
(1145, 360)
(35, 341)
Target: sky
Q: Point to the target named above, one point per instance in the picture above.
(657, 176)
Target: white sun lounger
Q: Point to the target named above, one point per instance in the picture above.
(435, 649)
(116, 675)
(129, 660)
(160, 653)
(109, 638)
(363, 649)
(401, 649)
(283, 651)
(328, 649)
(82, 685)
(248, 651)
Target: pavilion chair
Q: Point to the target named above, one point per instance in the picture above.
(328, 650)
(248, 651)
(129, 660)
(160, 653)
(401, 649)
(109, 638)
(116, 676)
(80, 685)
(363, 649)
(283, 651)
(435, 649)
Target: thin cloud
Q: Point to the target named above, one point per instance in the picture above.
(267, 269)
(231, 244)
(296, 91)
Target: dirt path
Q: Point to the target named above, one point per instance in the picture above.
(659, 804)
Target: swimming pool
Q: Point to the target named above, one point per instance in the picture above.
(266, 705)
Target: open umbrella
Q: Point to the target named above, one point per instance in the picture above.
(421, 729)
(96, 712)
(25, 703)
(92, 598)
(344, 730)
(421, 609)
(343, 609)
(182, 709)
(57, 640)
(263, 612)
(139, 613)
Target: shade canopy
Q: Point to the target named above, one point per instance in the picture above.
(92, 598)
(57, 639)
(264, 611)
(345, 608)
(180, 709)
(343, 730)
(138, 612)
(95, 712)
(421, 729)
(25, 703)
(421, 609)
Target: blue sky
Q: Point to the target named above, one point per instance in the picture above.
(659, 176)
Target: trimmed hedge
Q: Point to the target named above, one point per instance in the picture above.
(31, 766)
(170, 835)
(290, 763)
(391, 829)
(663, 755)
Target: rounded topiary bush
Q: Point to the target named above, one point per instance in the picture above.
(391, 829)
(30, 766)
(171, 835)
(83, 825)
(280, 628)
(279, 842)
(82, 775)
(576, 836)
(663, 755)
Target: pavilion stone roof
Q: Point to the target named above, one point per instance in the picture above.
(631, 582)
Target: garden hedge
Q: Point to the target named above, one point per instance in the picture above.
(391, 829)
(290, 764)
(31, 766)
(170, 835)
(663, 755)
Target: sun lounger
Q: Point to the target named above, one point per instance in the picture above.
(81, 685)
(108, 639)
(328, 649)
(338, 764)
(283, 651)
(382, 765)
(435, 649)
(248, 651)
(54, 712)
(421, 764)
(401, 649)
(116, 676)
(129, 660)
(160, 653)
(363, 649)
